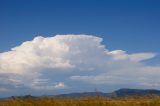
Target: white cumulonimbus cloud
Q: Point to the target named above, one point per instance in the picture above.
(35, 64)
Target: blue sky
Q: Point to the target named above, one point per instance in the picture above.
(131, 25)
(128, 25)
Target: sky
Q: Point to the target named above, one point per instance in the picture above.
(61, 46)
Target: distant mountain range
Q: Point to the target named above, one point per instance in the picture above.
(130, 92)
(117, 93)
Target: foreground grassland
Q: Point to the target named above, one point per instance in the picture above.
(84, 101)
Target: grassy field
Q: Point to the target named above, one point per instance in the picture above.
(84, 101)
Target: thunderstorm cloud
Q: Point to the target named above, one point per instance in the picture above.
(61, 61)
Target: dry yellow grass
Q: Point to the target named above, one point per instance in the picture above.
(84, 101)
